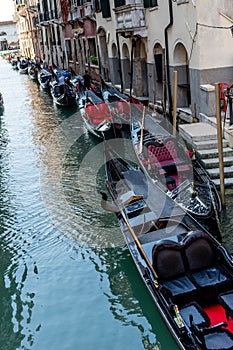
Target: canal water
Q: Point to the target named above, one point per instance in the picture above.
(67, 281)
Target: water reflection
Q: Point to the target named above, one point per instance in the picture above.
(130, 302)
(15, 306)
(47, 243)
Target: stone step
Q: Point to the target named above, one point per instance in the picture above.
(228, 182)
(214, 162)
(213, 153)
(214, 172)
(196, 132)
(207, 145)
(185, 114)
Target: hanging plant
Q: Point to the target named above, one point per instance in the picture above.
(94, 60)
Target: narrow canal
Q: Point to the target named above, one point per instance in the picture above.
(67, 281)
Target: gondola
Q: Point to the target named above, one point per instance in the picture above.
(188, 272)
(165, 159)
(33, 71)
(23, 66)
(119, 104)
(63, 94)
(14, 64)
(1, 102)
(61, 88)
(44, 78)
(95, 113)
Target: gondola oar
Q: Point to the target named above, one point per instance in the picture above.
(176, 309)
(90, 98)
(121, 98)
(116, 209)
(139, 246)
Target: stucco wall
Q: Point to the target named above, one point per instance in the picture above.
(11, 31)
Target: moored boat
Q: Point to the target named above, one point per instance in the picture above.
(44, 78)
(61, 88)
(1, 102)
(165, 159)
(188, 273)
(95, 113)
(120, 105)
(14, 63)
(23, 66)
(33, 71)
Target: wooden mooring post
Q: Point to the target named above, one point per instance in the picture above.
(220, 145)
(174, 102)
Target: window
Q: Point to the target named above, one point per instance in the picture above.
(119, 3)
(92, 51)
(58, 36)
(150, 3)
(159, 66)
(76, 49)
(106, 13)
(68, 49)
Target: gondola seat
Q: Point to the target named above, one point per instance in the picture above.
(202, 258)
(191, 268)
(167, 261)
(164, 155)
(215, 337)
(221, 339)
(226, 300)
(199, 316)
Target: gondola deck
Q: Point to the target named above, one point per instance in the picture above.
(164, 160)
(188, 273)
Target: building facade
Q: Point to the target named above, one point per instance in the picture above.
(26, 18)
(138, 44)
(146, 41)
(8, 35)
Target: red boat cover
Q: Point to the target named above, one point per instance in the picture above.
(98, 113)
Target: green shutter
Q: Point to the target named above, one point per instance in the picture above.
(150, 3)
(105, 7)
(119, 3)
(154, 3)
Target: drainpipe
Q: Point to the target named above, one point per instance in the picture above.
(167, 61)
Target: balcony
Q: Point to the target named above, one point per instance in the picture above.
(79, 12)
(131, 19)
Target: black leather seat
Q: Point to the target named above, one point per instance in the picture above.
(214, 338)
(199, 316)
(169, 265)
(202, 259)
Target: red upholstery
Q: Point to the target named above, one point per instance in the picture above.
(98, 113)
(164, 154)
(123, 107)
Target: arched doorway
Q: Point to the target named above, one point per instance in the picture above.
(183, 82)
(114, 66)
(125, 67)
(140, 81)
(158, 60)
(103, 51)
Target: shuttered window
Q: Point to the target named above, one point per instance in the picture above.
(150, 3)
(119, 3)
(105, 7)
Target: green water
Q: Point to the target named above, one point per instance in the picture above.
(67, 281)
